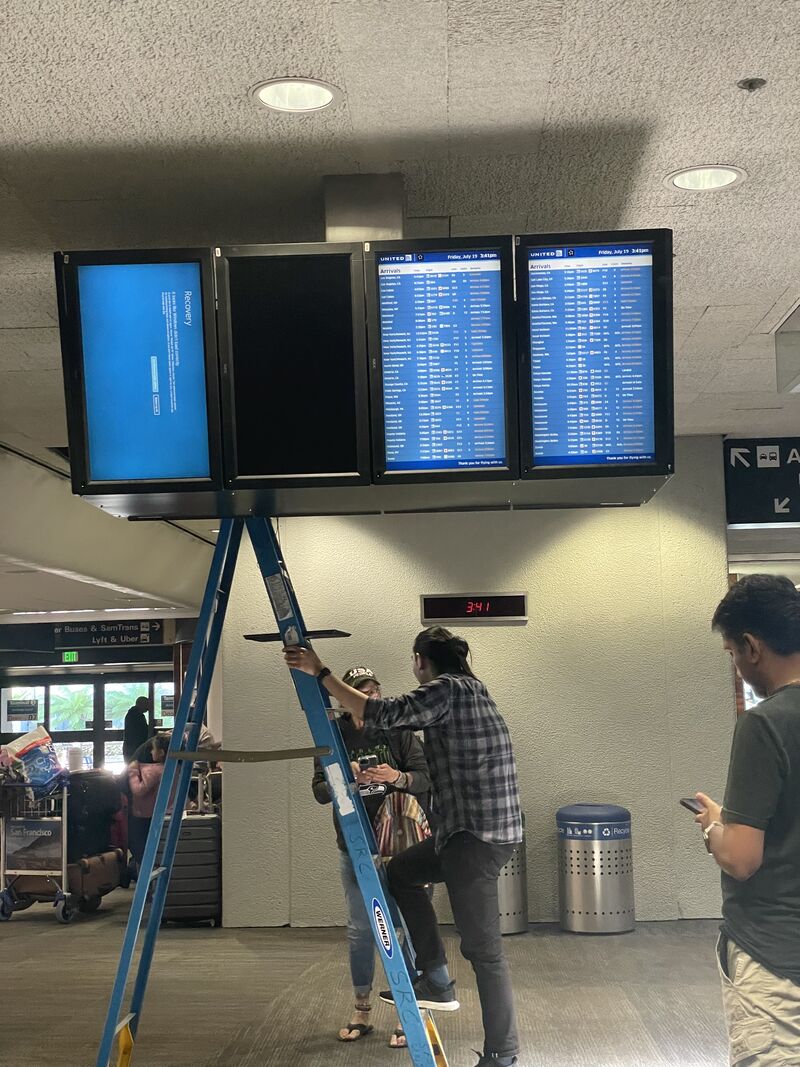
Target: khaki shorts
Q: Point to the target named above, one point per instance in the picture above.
(762, 1011)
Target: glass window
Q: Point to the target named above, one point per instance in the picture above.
(71, 707)
(86, 747)
(18, 718)
(164, 710)
(119, 699)
(112, 760)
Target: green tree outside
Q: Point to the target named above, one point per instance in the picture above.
(71, 706)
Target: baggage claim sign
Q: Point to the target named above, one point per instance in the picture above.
(762, 481)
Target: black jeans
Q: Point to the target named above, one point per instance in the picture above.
(138, 829)
(469, 868)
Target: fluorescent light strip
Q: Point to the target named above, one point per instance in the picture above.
(90, 611)
(60, 611)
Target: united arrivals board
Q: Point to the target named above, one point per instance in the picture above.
(444, 403)
(595, 353)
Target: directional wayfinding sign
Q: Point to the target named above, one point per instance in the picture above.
(762, 480)
(74, 635)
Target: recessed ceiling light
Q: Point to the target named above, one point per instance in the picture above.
(295, 94)
(705, 179)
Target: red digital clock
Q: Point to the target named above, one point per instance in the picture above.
(479, 607)
(474, 607)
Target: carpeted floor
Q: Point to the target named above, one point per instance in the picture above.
(241, 998)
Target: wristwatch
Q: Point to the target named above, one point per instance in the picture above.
(707, 833)
(323, 673)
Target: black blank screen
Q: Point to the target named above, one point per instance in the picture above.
(293, 368)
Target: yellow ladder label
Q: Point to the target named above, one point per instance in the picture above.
(124, 1047)
(435, 1040)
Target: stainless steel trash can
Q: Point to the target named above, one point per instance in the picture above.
(595, 866)
(512, 891)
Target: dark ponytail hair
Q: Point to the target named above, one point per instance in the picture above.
(448, 652)
(159, 743)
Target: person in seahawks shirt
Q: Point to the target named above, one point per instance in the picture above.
(401, 768)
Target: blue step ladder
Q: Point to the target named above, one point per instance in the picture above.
(121, 1027)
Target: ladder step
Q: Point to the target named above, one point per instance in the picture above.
(313, 635)
(229, 755)
(157, 873)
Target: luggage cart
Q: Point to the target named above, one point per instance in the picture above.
(33, 852)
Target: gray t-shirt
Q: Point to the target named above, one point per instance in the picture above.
(762, 915)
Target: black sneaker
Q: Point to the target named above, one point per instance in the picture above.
(429, 995)
(493, 1060)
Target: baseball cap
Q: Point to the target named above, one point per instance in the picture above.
(356, 677)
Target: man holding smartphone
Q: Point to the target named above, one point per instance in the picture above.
(755, 835)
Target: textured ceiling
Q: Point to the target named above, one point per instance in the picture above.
(23, 588)
(128, 123)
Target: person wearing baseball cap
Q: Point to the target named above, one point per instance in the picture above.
(363, 678)
(389, 791)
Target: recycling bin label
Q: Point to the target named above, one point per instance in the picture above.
(595, 831)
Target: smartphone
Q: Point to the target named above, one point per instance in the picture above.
(694, 806)
(367, 763)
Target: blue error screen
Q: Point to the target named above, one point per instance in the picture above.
(144, 371)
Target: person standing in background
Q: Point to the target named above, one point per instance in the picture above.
(755, 835)
(144, 778)
(401, 775)
(136, 729)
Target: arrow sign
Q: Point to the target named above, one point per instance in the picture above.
(761, 479)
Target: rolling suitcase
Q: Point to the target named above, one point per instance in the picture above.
(195, 888)
(94, 799)
(92, 877)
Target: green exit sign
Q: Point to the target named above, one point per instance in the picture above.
(69, 657)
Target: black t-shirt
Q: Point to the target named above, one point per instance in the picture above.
(762, 915)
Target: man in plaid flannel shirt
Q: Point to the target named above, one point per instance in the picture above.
(476, 822)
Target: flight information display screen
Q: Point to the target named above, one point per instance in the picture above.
(295, 400)
(441, 330)
(144, 372)
(591, 354)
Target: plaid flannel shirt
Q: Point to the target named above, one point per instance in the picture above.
(469, 753)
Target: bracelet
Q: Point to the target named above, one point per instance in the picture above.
(707, 834)
(323, 673)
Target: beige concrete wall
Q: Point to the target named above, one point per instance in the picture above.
(615, 690)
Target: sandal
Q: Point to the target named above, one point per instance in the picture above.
(398, 1038)
(359, 1029)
